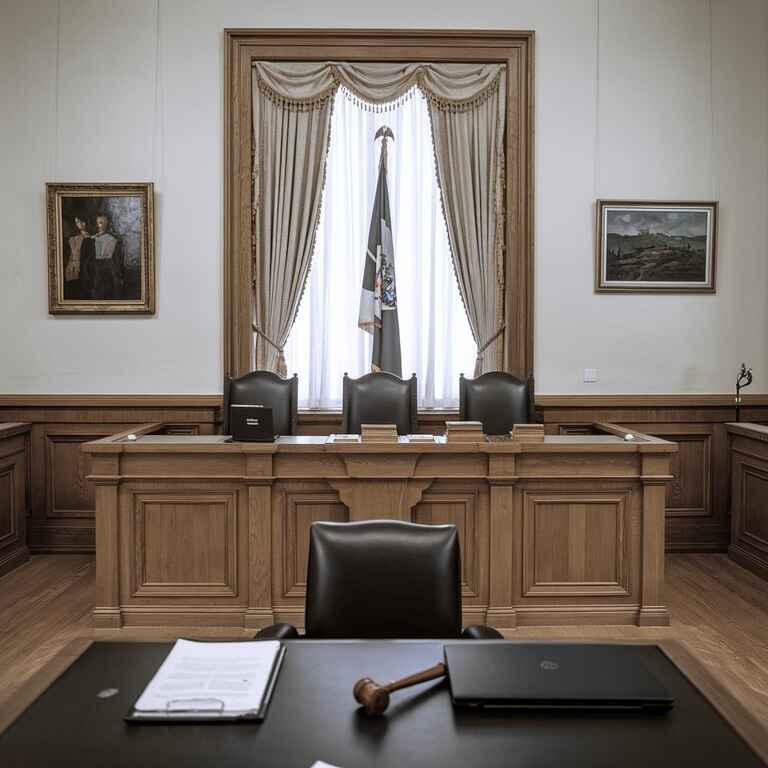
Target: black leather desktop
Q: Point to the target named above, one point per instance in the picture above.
(313, 716)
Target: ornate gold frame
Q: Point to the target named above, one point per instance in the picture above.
(57, 305)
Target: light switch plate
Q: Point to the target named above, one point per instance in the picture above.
(591, 375)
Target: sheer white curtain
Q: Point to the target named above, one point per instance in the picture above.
(435, 337)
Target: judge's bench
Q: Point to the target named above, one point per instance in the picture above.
(202, 531)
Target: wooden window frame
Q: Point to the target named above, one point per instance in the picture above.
(513, 48)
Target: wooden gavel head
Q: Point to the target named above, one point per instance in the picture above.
(372, 696)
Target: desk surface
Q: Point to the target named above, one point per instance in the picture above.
(11, 428)
(749, 429)
(313, 717)
(143, 441)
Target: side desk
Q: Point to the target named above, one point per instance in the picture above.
(14, 447)
(749, 496)
(199, 531)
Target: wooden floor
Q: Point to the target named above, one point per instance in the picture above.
(719, 612)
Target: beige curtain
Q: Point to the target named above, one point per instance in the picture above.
(290, 145)
(469, 151)
(292, 104)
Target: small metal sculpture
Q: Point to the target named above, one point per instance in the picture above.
(744, 379)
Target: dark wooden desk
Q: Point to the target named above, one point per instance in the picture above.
(313, 717)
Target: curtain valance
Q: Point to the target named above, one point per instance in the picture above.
(306, 85)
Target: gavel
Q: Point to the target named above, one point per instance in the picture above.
(374, 697)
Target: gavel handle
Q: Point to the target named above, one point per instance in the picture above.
(439, 670)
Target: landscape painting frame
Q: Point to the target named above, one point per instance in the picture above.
(655, 246)
(101, 248)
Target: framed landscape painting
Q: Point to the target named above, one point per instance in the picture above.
(655, 247)
(101, 250)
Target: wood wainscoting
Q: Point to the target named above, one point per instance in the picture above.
(14, 460)
(749, 483)
(62, 506)
(698, 500)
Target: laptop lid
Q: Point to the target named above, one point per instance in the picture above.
(251, 423)
(552, 676)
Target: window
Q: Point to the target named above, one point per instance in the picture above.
(435, 338)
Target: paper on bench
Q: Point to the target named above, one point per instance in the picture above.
(228, 678)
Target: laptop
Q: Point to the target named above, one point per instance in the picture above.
(251, 424)
(553, 676)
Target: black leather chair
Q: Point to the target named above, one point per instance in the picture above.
(379, 398)
(382, 579)
(269, 389)
(498, 399)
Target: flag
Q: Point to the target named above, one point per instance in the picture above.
(378, 299)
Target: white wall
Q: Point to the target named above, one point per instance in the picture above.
(634, 99)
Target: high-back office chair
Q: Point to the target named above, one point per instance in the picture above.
(382, 579)
(379, 398)
(268, 389)
(498, 399)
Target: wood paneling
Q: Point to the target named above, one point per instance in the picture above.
(698, 507)
(688, 494)
(466, 508)
(61, 499)
(302, 508)
(185, 544)
(14, 449)
(749, 515)
(8, 511)
(698, 500)
(575, 544)
(587, 514)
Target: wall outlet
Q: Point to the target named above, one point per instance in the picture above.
(591, 375)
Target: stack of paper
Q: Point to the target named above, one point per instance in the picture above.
(344, 439)
(379, 433)
(464, 431)
(211, 681)
(528, 433)
(421, 438)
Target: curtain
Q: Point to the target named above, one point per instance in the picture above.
(436, 340)
(469, 152)
(467, 112)
(290, 145)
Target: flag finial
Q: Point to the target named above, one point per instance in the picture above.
(385, 132)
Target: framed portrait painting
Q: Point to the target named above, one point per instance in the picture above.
(101, 250)
(655, 247)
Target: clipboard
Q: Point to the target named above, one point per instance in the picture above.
(207, 710)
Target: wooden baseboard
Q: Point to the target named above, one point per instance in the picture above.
(748, 560)
(13, 560)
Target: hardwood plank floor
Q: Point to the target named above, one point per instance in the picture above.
(719, 613)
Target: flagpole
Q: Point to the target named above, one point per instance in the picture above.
(378, 295)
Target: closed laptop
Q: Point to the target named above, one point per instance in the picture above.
(553, 676)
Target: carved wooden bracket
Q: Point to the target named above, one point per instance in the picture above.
(371, 498)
